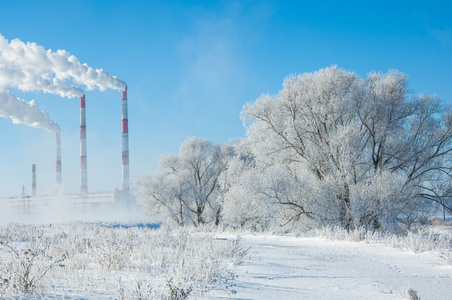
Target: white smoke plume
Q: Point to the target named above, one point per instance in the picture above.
(26, 68)
(67, 66)
(30, 67)
(24, 112)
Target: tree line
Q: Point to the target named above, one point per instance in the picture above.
(331, 148)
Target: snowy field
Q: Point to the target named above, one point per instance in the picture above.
(140, 261)
(315, 268)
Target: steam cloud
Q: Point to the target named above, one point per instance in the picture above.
(24, 112)
(30, 67)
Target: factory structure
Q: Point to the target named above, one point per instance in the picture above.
(84, 199)
(83, 156)
(83, 152)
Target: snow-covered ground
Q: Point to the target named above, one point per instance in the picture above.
(144, 261)
(279, 267)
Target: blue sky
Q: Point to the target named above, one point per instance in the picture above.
(191, 66)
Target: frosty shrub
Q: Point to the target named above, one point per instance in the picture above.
(93, 261)
(26, 265)
(381, 201)
(411, 294)
(242, 209)
(419, 240)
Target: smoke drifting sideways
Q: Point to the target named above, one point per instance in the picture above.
(22, 112)
(30, 67)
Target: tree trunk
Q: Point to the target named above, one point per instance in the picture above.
(199, 215)
(344, 208)
(218, 216)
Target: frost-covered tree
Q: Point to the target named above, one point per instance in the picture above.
(336, 148)
(185, 189)
(242, 207)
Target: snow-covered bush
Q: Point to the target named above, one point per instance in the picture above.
(24, 264)
(240, 208)
(420, 240)
(381, 200)
(81, 260)
(410, 294)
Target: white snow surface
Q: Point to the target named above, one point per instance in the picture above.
(105, 260)
(283, 267)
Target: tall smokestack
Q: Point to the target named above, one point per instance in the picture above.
(125, 144)
(33, 182)
(58, 163)
(83, 161)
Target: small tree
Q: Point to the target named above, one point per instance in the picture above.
(185, 188)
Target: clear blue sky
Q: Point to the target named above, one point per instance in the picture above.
(191, 66)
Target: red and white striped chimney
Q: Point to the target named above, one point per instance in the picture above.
(33, 181)
(125, 144)
(58, 162)
(83, 160)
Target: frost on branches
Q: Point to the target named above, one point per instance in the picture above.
(330, 149)
(360, 152)
(185, 190)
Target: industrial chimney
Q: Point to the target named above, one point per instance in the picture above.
(33, 182)
(58, 163)
(83, 160)
(125, 144)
